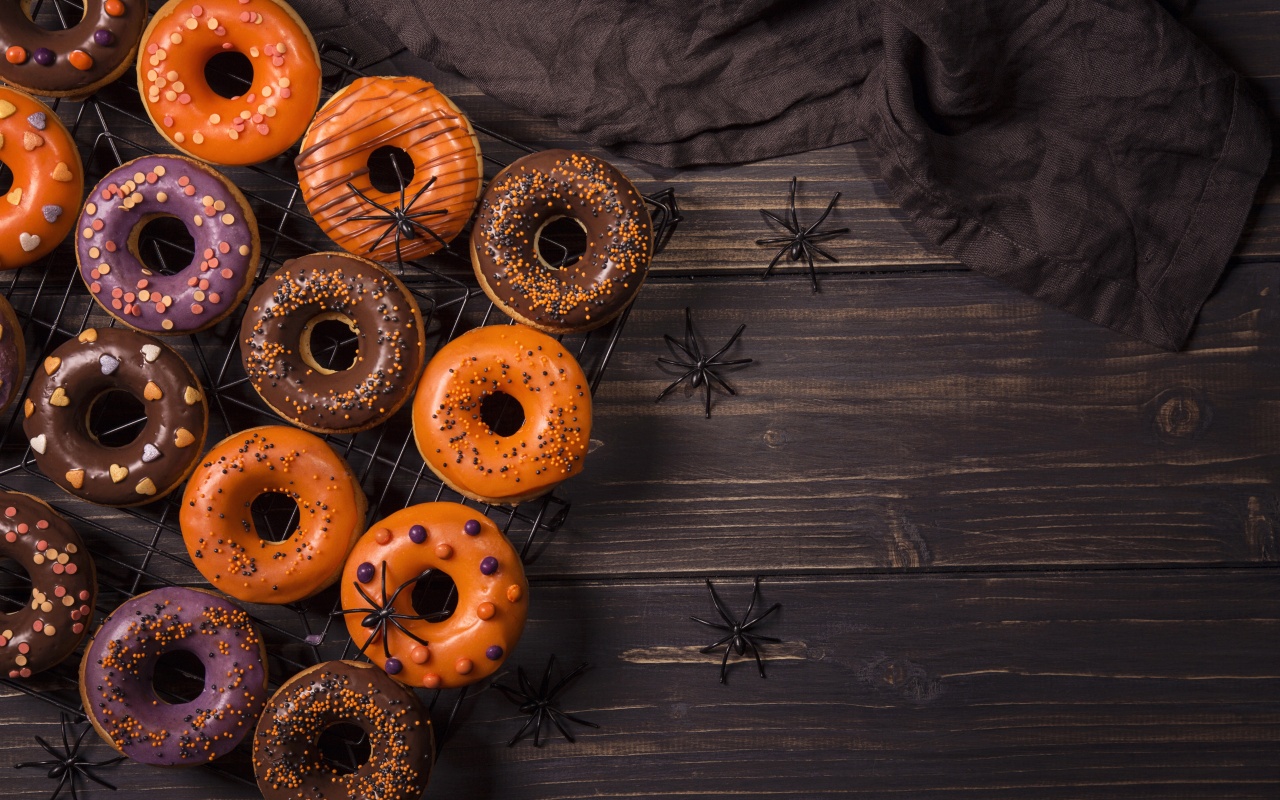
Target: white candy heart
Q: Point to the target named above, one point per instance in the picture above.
(149, 453)
(38, 443)
(151, 352)
(108, 363)
(29, 241)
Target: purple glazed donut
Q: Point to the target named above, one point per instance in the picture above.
(119, 664)
(216, 215)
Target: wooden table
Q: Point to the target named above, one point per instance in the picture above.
(1019, 556)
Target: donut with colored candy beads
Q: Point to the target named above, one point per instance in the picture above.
(74, 62)
(48, 180)
(442, 649)
(268, 115)
(218, 527)
(275, 342)
(215, 213)
(119, 665)
(289, 766)
(63, 587)
(85, 370)
(507, 251)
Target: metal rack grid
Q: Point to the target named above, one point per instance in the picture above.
(141, 549)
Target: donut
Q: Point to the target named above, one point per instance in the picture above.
(422, 650)
(48, 179)
(249, 128)
(534, 192)
(455, 438)
(218, 528)
(63, 587)
(13, 354)
(406, 113)
(119, 664)
(85, 369)
(288, 764)
(74, 62)
(215, 213)
(275, 342)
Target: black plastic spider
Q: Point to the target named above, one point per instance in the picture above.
(378, 616)
(68, 765)
(400, 219)
(539, 703)
(740, 639)
(701, 368)
(801, 242)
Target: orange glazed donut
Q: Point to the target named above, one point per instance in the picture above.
(442, 650)
(218, 528)
(459, 392)
(48, 180)
(261, 123)
(405, 113)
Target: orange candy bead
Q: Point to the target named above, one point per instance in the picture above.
(80, 60)
(115, 8)
(16, 54)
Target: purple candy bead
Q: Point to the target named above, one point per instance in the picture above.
(471, 527)
(103, 37)
(489, 565)
(418, 534)
(44, 56)
(393, 666)
(364, 572)
(493, 653)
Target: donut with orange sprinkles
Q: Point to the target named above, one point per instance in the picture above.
(289, 766)
(119, 665)
(510, 256)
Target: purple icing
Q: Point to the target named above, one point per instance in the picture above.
(103, 37)
(51, 213)
(493, 653)
(364, 572)
(471, 527)
(196, 295)
(393, 666)
(489, 565)
(44, 56)
(418, 534)
(120, 665)
(37, 120)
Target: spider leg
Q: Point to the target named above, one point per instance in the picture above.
(722, 383)
(50, 749)
(430, 182)
(755, 595)
(559, 687)
(526, 685)
(431, 212)
(813, 273)
(707, 384)
(66, 776)
(823, 253)
(690, 337)
(830, 206)
(382, 236)
(772, 609)
(428, 230)
(408, 632)
(555, 720)
(709, 624)
(720, 606)
(520, 734)
(777, 240)
(100, 781)
(369, 200)
(769, 269)
(819, 235)
(578, 720)
(759, 662)
(670, 388)
(716, 644)
(729, 343)
(511, 694)
(537, 731)
(724, 665)
(670, 362)
(674, 345)
(792, 204)
(770, 216)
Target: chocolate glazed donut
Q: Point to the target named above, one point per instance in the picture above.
(532, 193)
(63, 587)
(275, 341)
(288, 764)
(13, 354)
(79, 373)
(72, 62)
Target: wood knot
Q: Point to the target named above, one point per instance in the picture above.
(900, 676)
(775, 439)
(1180, 414)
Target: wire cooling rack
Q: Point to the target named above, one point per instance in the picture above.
(140, 549)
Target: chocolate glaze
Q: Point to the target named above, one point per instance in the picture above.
(286, 760)
(119, 665)
(536, 190)
(63, 390)
(333, 286)
(106, 54)
(13, 354)
(215, 214)
(63, 586)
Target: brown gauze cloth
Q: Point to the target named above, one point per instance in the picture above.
(1092, 153)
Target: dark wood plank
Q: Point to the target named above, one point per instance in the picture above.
(945, 422)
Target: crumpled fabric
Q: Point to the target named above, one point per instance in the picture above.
(1092, 153)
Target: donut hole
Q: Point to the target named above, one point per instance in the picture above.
(116, 418)
(435, 596)
(344, 747)
(275, 516)
(502, 413)
(6, 178)
(53, 16)
(229, 74)
(330, 343)
(178, 677)
(560, 242)
(15, 586)
(383, 163)
(163, 244)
